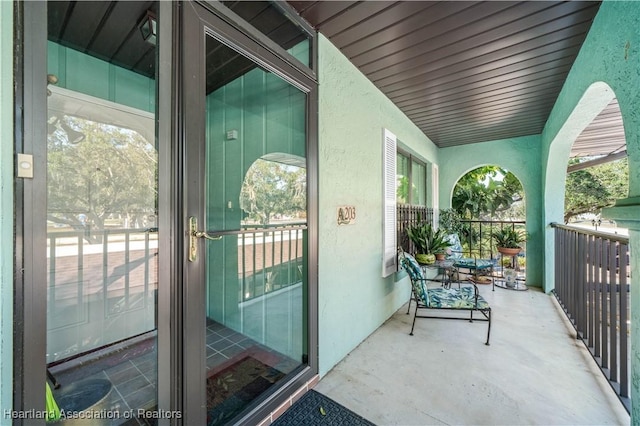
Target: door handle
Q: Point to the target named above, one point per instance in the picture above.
(194, 234)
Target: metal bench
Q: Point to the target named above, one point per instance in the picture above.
(466, 298)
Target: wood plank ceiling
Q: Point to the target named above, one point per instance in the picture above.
(110, 31)
(462, 71)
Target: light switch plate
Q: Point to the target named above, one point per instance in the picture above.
(25, 166)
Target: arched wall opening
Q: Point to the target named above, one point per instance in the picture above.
(597, 173)
(516, 154)
(490, 199)
(597, 96)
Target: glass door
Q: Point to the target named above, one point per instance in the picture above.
(102, 210)
(245, 289)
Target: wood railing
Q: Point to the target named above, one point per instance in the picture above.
(407, 216)
(592, 278)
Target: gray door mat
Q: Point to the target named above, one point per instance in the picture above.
(313, 408)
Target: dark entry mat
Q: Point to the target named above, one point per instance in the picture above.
(316, 409)
(231, 390)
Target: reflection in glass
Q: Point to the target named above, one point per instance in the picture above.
(269, 18)
(419, 181)
(256, 193)
(402, 179)
(101, 254)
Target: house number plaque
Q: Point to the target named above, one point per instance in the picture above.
(346, 215)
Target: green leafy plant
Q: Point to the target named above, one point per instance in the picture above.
(509, 237)
(427, 240)
(450, 221)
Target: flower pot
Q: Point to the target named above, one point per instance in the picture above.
(507, 251)
(83, 398)
(425, 259)
(441, 256)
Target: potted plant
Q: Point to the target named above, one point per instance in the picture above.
(427, 242)
(508, 240)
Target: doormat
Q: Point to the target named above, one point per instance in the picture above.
(232, 389)
(315, 409)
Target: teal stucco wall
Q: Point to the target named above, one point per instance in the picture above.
(85, 74)
(521, 156)
(354, 299)
(609, 60)
(6, 209)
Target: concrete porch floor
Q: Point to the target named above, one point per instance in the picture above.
(534, 372)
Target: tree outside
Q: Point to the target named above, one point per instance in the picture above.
(590, 190)
(489, 193)
(274, 190)
(109, 175)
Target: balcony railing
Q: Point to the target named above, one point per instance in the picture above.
(270, 257)
(475, 237)
(407, 216)
(102, 283)
(477, 240)
(592, 286)
(101, 288)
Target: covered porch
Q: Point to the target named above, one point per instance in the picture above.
(534, 372)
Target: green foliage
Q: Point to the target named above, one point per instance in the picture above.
(485, 191)
(402, 192)
(270, 189)
(427, 240)
(112, 172)
(450, 221)
(509, 237)
(589, 190)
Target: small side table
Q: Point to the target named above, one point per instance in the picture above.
(517, 285)
(444, 268)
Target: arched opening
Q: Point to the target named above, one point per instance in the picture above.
(597, 172)
(274, 190)
(490, 202)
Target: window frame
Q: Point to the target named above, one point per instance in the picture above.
(413, 158)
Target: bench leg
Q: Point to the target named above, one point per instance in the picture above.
(415, 314)
(489, 326)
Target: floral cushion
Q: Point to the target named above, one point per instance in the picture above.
(467, 262)
(455, 246)
(455, 298)
(418, 280)
(464, 262)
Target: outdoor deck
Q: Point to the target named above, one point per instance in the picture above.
(534, 372)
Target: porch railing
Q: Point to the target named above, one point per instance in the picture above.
(407, 216)
(475, 236)
(477, 240)
(592, 286)
(270, 257)
(98, 283)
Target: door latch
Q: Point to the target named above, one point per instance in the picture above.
(194, 234)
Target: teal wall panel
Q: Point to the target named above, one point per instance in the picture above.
(262, 109)
(91, 76)
(6, 209)
(301, 52)
(354, 300)
(132, 89)
(85, 74)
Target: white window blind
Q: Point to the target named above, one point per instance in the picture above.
(389, 250)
